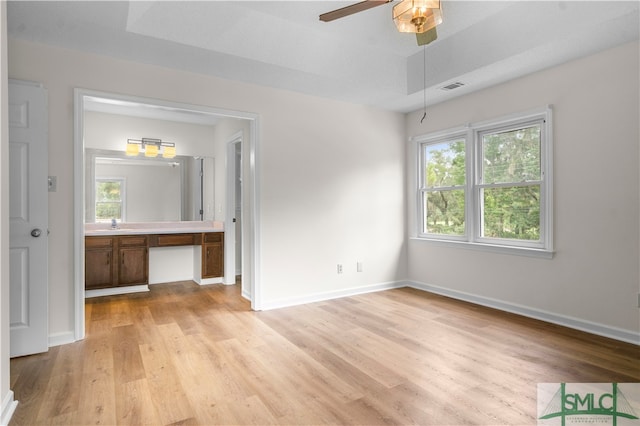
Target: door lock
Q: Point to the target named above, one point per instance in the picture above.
(36, 232)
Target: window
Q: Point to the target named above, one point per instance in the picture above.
(488, 185)
(443, 187)
(109, 199)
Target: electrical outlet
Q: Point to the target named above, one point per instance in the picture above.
(339, 268)
(359, 266)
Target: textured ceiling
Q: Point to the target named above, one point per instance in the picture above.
(361, 58)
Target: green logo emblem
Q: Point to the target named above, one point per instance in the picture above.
(587, 403)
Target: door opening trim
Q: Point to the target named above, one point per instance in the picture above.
(251, 191)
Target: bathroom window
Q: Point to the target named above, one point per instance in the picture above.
(110, 199)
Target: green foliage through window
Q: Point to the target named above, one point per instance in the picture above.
(512, 156)
(512, 159)
(497, 175)
(512, 212)
(445, 164)
(109, 199)
(445, 183)
(445, 212)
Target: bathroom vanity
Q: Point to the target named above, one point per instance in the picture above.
(117, 260)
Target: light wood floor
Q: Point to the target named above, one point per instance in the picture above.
(185, 355)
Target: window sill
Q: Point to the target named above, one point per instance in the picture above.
(491, 248)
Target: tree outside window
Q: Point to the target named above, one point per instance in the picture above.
(510, 184)
(109, 199)
(444, 188)
(488, 184)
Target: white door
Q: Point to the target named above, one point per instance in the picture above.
(28, 207)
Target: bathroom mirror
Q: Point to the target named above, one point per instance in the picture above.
(142, 189)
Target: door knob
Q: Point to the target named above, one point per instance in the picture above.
(36, 232)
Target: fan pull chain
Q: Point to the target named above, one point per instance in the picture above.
(424, 91)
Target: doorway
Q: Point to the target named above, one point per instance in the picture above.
(249, 227)
(234, 213)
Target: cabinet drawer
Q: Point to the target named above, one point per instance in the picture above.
(213, 237)
(98, 242)
(167, 240)
(133, 241)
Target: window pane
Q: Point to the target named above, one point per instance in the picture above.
(105, 211)
(512, 156)
(444, 212)
(109, 200)
(108, 191)
(444, 164)
(511, 212)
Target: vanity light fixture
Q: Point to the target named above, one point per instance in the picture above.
(151, 147)
(151, 150)
(132, 148)
(168, 151)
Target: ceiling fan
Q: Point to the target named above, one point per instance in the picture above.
(410, 16)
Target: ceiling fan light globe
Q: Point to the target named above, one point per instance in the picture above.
(417, 16)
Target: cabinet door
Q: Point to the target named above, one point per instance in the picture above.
(212, 260)
(133, 267)
(98, 272)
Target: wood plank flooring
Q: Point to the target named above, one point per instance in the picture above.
(189, 355)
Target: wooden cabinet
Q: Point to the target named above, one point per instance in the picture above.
(98, 269)
(116, 261)
(212, 255)
(123, 260)
(133, 260)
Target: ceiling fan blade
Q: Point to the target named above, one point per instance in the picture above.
(350, 10)
(427, 36)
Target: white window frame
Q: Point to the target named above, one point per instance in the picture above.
(123, 197)
(473, 158)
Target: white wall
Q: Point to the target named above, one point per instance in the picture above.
(111, 131)
(594, 275)
(169, 264)
(331, 174)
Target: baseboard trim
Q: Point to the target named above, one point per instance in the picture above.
(8, 408)
(320, 297)
(115, 290)
(246, 295)
(208, 281)
(566, 321)
(61, 339)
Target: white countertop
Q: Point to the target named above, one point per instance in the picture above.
(135, 228)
